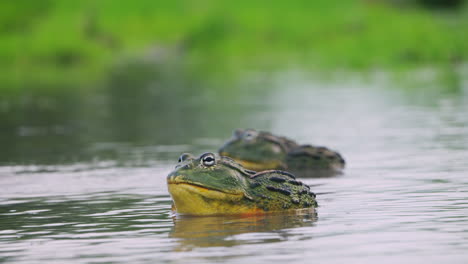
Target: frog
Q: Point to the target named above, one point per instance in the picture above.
(216, 185)
(261, 150)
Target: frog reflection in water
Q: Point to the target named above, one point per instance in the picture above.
(214, 185)
(257, 150)
(221, 231)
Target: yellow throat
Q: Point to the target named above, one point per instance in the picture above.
(196, 200)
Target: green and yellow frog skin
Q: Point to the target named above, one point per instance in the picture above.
(215, 185)
(258, 150)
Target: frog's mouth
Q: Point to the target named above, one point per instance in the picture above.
(256, 165)
(195, 199)
(198, 188)
(177, 183)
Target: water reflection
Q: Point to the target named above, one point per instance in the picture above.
(403, 195)
(102, 214)
(153, 101)
(227, 231)
(39, 124)
(143, 101)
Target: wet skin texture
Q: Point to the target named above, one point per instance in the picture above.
(215, 185)
(258, 150)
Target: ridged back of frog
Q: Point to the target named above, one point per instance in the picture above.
(285, 143)
(275, 190)
(236, 166)
(308, 157)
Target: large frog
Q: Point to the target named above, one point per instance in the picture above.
(258, 150)
(214, 185)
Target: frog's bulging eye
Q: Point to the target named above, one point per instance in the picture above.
(249, 135)
(208, 160)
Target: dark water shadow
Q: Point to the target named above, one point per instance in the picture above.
(148, 100)
(40, 122)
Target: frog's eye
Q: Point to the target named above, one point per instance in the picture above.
(208, 160)
(185, 156)
(249, 135)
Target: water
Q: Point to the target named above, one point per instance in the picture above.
(402, 198)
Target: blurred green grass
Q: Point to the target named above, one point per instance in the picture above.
(51, 43)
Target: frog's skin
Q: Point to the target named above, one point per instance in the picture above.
(258, 150)
(214, 185)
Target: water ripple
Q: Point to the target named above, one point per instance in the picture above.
(402, 197)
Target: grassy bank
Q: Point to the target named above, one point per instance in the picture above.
(52, 42)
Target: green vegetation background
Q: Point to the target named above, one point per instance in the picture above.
(49, 43)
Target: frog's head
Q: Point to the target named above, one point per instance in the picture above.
(256, 150)
(208, 184)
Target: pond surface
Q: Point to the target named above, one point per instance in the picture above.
(98, 194)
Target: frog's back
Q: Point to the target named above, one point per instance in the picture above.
(287, 143)
(276, 190)
(308, 158)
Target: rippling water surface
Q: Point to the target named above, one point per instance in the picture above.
(403, 196)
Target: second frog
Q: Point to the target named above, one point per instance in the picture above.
(258, 150)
